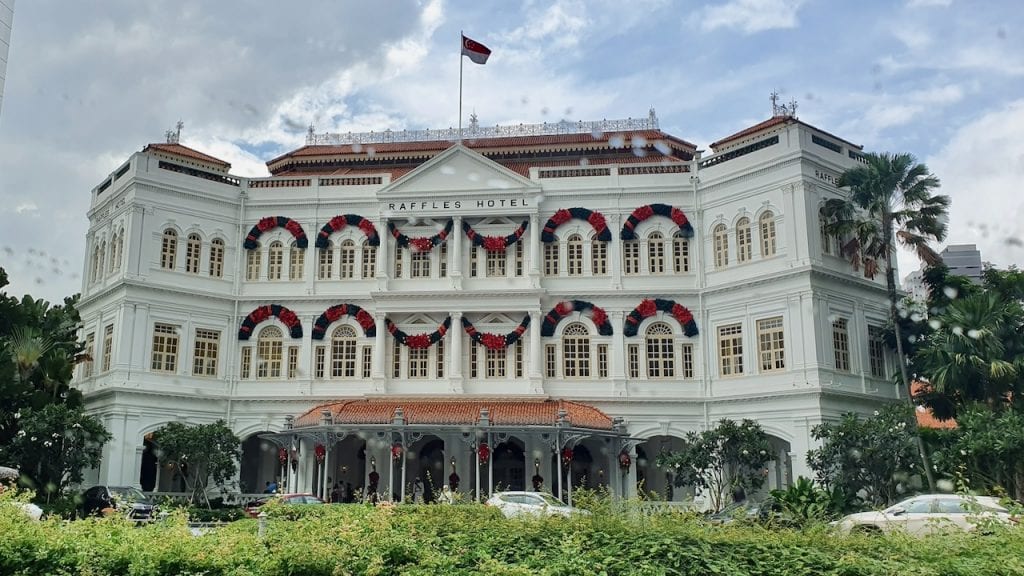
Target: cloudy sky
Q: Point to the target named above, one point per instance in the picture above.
(88, 83)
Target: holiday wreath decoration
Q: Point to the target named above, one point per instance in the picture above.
(594, 218)
(363, 317)
(566, 456)
(494, 243)
(282, 456)
(423, 243)
(419, 340)
(644, 212)
(321, 452)
(396, 451)
(563, 309)
(339, 222)
(648, 308)
(624, 460)
(483, 451)
(495, 341)
(252, 240)
(262, 313)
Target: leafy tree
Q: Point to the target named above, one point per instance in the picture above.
(877, 455)
(728, 459)
(985, 451)
(890, 204)
(54, 444)
(199, 453)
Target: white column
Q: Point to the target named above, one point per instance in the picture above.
(536, 348)
(534, 256)
(383, 254)
(455, 357)
(615, 251)
(456, 239)
(379, 344)
(617, 318)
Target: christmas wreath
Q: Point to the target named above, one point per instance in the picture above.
(494, 243)
(566, 456)
(595, 219)
(644, 212)
(495, 341)
(271, 222)
(625, 461)
(563, 309)
(282, 456)
(286, 316)
(483, 451)
(419, 340)
(396, 451)
(648, 308)
(339, 222)
(363, 317)
(423, 243)
(321, 452)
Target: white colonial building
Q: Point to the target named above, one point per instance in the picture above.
(387, 306)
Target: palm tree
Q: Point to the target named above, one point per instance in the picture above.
(890, 204)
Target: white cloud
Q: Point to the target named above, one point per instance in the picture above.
(750, 16)
(927, 3)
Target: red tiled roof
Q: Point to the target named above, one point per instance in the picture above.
(460, 412)
(925, 418)
(775, 121)
(179, 150)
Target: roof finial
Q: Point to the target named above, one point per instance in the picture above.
(174, 136)
(782, 109)
(474, 123)
(310, 134)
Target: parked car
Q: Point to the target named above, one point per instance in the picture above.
(767, 511)
(253, 508)
(10, 476)
(929, 513)
(513, 504)
(125, 499)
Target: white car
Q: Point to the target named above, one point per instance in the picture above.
(513, 504)
(929, 513)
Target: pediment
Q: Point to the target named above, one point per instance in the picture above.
(496, 319)
(457, 171)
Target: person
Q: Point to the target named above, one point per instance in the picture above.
(417, 491)
(270, 488)
(335, 494)
(347, 495)
(446, 495)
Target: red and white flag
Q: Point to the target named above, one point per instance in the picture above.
(476, 51)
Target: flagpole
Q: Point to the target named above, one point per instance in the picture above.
(461, 59)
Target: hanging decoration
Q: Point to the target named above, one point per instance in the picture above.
(282, 456)
(321, 452)
(483, 451)
(563, 309)
(423, 243)
(625, 461)
(419, 340)
(286, 316)
(396, 451)
(538, 482)
(648, 308)
(339, 222)
(252, 240)
(295, 458)
(495, 341)
(592, 217)
(453, 481)
(566, 456)
(333, 313)
(644, 212)
(494, 243)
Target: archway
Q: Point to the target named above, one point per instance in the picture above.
(779, 471)
(428, 466)
(348, 469)
(148, 470)
(653, 481)
(509, 465)
(259, 465)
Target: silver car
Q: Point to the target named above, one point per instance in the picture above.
(514, 504)
(928, 514)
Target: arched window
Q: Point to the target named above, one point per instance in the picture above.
(100, 258)
(656, 253)
(721, 245)
(659, 345)
(343, 352)
(253, 264)
(275, 261)
(767, 221)
(680, 253)
(94, 264)
(369, 260)
(574, 255)
(168, 249)
(576, 351)
(217, 258)
(192, 248)
(118, 250)
(296, 262)
(268, 353)
(348, 259)
(112, 259)
(598, 257)
(743, 240)
(326, 262)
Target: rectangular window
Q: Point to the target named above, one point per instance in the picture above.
(631, 257)
(275, 262)
(325, 264)
(550, 360)
(730, 350)
(245, 371)
(574, 256)
(418, 358)
(634, 360)
(474, 359)
(519, 257)
(841, 344)
(442, 260)
(681, 255)
(519, 358)
(496, 263)
(687, 358)
(165, 348)
(343, 358)
(419, 264)
(108, 346)
(204, 353)
(440, 358)
(293, 362)
(551, 258)
(575, 357)
(367, 360)
(656, 255)
(320, 357)
(496, 363)
(599, 257)
(396, 360)
(296, 263)
(771, 344)
(347, 261)
(399, 254)
(876, 351)
(217, 258)
(474, 255)
(369, 261)
(252, 265)
(602, 360)
(90, 351)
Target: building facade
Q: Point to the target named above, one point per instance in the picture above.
(6, 23)
(561, 302)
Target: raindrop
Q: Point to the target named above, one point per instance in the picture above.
(370, 151)
(950, 291)
(916, 317)
(447, 170)
(974, 334)
(544, 111)
(958, 331)
(663, 147)
(584, 162)
(1014, 241)
(596, 133)
(617, 141)
(934, 324)
(1001, 33)
(412, 221)
(357, 147)
(912, 338)
(639, 142)
(945, 485)
(473, 177)
(832, 318)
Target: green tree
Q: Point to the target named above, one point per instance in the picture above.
(53, 446)
(200, 454)
(725, 460)
(890, 204)
(877, 455)
(985, 451)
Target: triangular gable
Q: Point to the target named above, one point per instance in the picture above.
(458, 171)
(496, 319)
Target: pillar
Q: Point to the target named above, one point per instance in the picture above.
(536, 347)
(383, 254)
(456, 240)
(455, 357)
(379, 349)
(534, 255)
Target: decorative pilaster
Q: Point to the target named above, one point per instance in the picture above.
(615, 254)
(455, 358)
(535, 251)
(618, 353)
(536, 370)
(383, 257)
(379, 349)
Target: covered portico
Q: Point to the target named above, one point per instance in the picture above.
(393, 449)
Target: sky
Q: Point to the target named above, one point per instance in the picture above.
(89, 83)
